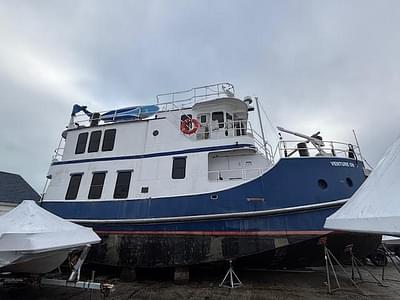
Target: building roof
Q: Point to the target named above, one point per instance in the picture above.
(14, 189)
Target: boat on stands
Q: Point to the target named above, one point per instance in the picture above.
(34, 241)
(188, 180)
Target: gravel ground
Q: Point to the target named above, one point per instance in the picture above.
(204, 284)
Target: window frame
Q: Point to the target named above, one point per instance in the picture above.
(220, 123)
(124, 196)
(106, 139)
(176, 168)
(71, 194)
(80, 142)
(96, 142)
(93, 194)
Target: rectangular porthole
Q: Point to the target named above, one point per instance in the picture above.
(179, 168)
(109, 140)
(96, 187)
(81, 143)
(145, 189)
(94, 141)
(73, 186)
(121, 190)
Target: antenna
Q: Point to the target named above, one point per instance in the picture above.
(261, 126)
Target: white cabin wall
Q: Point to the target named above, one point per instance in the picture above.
(136, 138)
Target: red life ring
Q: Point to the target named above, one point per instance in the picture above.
(189, 126)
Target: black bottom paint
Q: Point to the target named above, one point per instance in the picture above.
(169, 251)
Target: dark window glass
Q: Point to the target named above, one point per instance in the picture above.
(94, 141)
(109, 139)
(145, 189)
(218, 116)
(73, 187)
(228, 116)
(203, 119)
(81, 144)
(179, 168)
(122, 185)
(96, 186)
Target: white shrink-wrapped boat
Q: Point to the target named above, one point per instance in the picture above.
(33, 240)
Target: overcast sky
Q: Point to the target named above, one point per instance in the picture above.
(331, 66)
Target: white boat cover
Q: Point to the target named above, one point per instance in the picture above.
(375, 206)
(28, 227)
(390, 240)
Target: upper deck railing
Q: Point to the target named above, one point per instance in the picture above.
(187, 98)
(300, 148)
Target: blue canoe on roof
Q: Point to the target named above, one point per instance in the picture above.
(130, 113)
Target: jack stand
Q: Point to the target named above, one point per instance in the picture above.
(76, 269)
(356, 264)
(393, 258)
(329, 265)
(232, 278)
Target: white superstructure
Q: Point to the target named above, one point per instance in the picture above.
(224, 152)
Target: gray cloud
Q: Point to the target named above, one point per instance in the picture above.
(315, 65)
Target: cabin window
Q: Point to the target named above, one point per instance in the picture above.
(179, 168)
(73, 187)
(219, 117)
(94, 141)
(96, 187)
(122, 185)
(109, 140)
(81, 144)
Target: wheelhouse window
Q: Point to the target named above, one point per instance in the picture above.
(81, 144)
(122, 185)
(179, 168)
(108, 140)
(94, 141)
(73, 186)
(219, 117)
(96, 187)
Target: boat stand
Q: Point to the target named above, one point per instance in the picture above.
(356, 264)
(233, 281)
(328, 255)
(393, 258)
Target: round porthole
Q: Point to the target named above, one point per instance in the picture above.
(155, 132)
(349, 182)
(322, 184)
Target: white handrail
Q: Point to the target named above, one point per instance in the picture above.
(289, 148)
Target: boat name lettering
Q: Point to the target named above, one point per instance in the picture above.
(342, 164)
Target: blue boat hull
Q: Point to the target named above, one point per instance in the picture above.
(287, 205)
